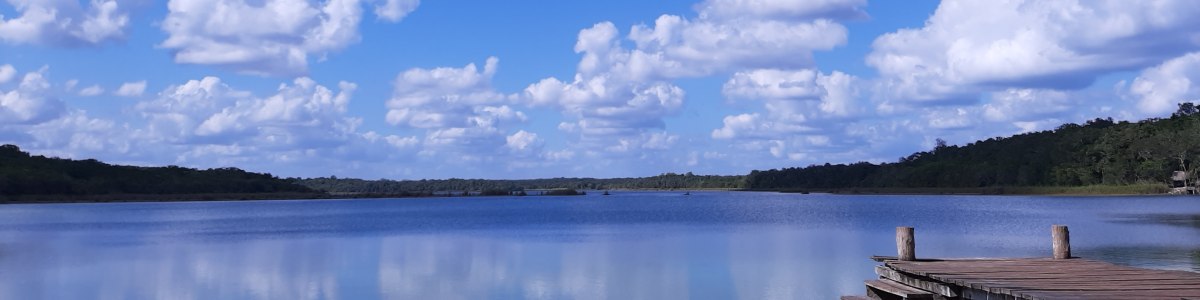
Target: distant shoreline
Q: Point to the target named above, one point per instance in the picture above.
(130, 198)
(1112, 190)
(1091, 190)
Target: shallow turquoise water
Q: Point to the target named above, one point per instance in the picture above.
(631, 245)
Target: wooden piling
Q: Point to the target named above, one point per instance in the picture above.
(1062, 241)
(905, 244)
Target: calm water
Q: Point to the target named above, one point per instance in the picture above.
(710, 245)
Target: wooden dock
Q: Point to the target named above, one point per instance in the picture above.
(1064, 277)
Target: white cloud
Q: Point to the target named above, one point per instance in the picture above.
(70, 84)
(132, 89)
(7, 72)
(1160, 88)
(678, 47)
(302, 115)
(271, 37)
(94, 90)
(782, 9)
(77, 135)
(301, 128)
(800, 102)
(604, 109)
(620, 95)
(465, 120)
(65, 23)
(395, 10)
(31, 102)
(969, 47)
(522, 141)
(950, 118)
(1027, 105)
(448, 97)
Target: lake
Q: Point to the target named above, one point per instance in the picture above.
(630, 245)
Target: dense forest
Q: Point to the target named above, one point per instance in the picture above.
(383, 186)
(1098, 152)
(22, 174)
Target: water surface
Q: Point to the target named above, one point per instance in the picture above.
(630, 245)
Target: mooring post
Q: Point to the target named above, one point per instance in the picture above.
(1062, 241)
(905, 244)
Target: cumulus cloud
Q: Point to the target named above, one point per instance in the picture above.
(523, 141)
(207, 111)
(969, 47)
(93, 90)
(271, 37)
(75, 134)
(207, 123)
(603, 108)
(132, 89)
(620, 95)
(799, 102)
(1158, 89)
(460, 112)
(31, 102)
(65, 23)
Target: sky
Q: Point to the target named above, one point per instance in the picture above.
(409, 89)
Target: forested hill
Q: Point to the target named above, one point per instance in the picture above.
(25, 175)
(1098, 152)
(664, 181)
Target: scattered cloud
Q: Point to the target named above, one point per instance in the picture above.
(464, 119)
(972, 71)
(269, 37)
(94, 90)
(806, 113)
(1023, 105)
(395, 10)
(207, 111)
(65, 23)
(7, 72)
(132, 89)
(31, 102)
(782, 9)
(523, 142)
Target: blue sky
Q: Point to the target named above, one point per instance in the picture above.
(407, 89)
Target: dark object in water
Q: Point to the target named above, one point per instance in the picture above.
(605, 193)
(687, 193)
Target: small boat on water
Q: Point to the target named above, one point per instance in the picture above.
(687, 193)
(605, 193)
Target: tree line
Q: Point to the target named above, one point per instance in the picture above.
(25, 177)
(688, 180)
(1097, 152)
(25, 174)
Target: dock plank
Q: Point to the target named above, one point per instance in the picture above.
(898, 289)
(1042, 278)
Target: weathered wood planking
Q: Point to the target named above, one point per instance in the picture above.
(1042, 278)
